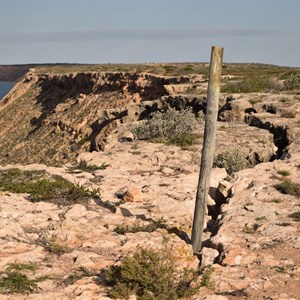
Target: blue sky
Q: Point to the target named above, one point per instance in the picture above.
(128, 31)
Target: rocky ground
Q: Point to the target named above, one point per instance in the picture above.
(147, 191)
(253, 245)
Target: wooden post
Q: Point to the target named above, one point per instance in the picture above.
(213, 93)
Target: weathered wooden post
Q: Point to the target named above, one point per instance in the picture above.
(213, 93)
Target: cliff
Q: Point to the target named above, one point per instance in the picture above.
(51, 118)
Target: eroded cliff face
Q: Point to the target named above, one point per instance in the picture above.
(51, 118)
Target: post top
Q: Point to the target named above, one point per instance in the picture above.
(218, 47)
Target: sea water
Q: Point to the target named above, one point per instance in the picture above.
(5, 87)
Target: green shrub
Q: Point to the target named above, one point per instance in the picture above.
(22, 267)
(122, 229)
(283, 224)
(276, 200)
(82, 141)
(206, 278)
(150, 275)
(232, 161)
(53, 245)
(295, 216)
(259, 219)
(14, 280)
(251, 85)
(183, 140)
(11, 175)
(82, 165)
(169, 70)
(55, 190)
(288, 188)
(292, 81)
(284, 173)
(172, 126)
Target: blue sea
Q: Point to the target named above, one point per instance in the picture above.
(5, 87)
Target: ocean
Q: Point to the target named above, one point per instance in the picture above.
(5, 87)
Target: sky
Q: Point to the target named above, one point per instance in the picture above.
(139, 31)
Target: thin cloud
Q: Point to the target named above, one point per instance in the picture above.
(131, 34)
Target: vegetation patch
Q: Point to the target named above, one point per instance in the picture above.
(288, 114)
(22, 267)
(283, 224)
(15, 281)
(150, 275)
(251, 229)
(80, 273)
(288, 188)
(206, 278)
(232, 161)
(235, 293)
(83, 166)
(55, 189)
(169, 70)
(295, 216)
(256, 100)
(82, 141)
(171, 127)
(284, 99)
(19, 175)
(276, 200)
(284, 173)
(51, 243)
(259, 219)
(151, 227)
(250, 85)
(273, 244)
(292, 81)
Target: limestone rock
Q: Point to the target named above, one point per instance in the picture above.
(209, 256)
(132, 195)
(224, 188)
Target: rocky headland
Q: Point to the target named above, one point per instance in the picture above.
(140, 194)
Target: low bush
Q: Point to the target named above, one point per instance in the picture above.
(22, 267)
(283, 173)
(251, 85)
(292, 81)
(52, 244)
(55, 190)
(150, 275)
(232, 161)
(288, 188)
(153, 226)
(295, 216)
(206, 278)
(172, 126)
(83, 166)
(15, 280)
